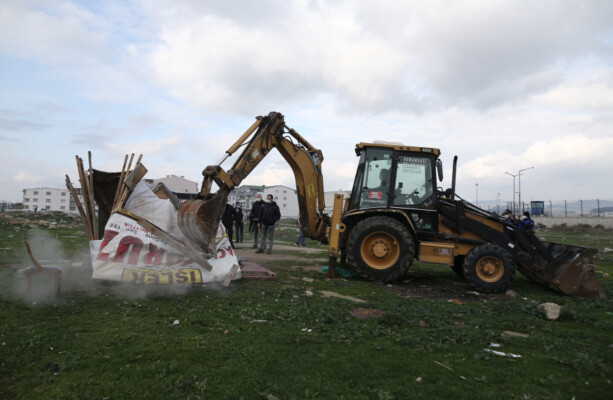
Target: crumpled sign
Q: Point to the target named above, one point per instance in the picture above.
(130, 253)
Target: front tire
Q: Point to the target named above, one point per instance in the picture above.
(380, 249)
(489, 268)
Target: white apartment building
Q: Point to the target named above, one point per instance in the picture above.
(38, 199)
(286, 198)
(329, 199)
(176, 184)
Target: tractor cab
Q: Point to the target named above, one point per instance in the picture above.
(392, 175)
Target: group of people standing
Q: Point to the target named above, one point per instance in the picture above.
(262, 218)
(525, 222)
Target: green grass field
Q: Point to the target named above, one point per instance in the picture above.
(271, 340)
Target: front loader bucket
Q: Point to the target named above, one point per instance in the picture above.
(571, 271)
(199, 220)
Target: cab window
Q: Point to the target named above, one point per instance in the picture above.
(376, 179)
(413, 180)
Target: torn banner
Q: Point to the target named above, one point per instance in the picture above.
(130, 253)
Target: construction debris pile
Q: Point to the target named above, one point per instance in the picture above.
(140, 241)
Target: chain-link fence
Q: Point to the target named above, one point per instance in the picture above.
(556, 208)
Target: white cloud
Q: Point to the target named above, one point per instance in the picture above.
(149, 146)
(55, 31)
(503, 84)
(579, 96)
(27, 178)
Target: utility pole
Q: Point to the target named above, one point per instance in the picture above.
(477, 189)
(498, 203)
(508, 173)
(519, 179)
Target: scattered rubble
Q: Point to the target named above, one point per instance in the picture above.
(514, 334)
(552, 310)
(326, 293)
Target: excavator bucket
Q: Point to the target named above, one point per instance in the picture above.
(199, 219)
(571, 270)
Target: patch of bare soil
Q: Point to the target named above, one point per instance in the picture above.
(416, 285)
(424, 286)
(244, 251)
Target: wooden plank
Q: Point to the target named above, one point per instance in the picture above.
(91, 196)
(85, 192)
(120, 183)
(78, 204)
(123, 187)
(231, 274)
(130, 182)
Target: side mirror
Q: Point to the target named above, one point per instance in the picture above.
(439, 169)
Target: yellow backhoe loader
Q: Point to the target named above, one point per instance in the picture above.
(394, 215)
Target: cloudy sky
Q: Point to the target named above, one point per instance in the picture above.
(505, 85)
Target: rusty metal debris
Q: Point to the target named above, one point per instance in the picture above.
(39, 269)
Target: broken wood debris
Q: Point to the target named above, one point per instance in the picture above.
(39, 269)
(128, 180)
(87, 209)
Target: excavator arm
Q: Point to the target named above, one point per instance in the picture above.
(199, 218)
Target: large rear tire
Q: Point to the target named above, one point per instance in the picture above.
(380, 249)
(489, 268)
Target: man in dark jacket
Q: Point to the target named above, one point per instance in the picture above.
(228, 220)
(254, 214)
(526, 223)
(238, 222)
(269, 215)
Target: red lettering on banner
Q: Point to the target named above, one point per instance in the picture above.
(229, 248)
(124, 246)
(108, 236)
(221, 253)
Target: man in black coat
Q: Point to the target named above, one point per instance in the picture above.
(254, 214)
(228, 220)
(269, 215)
(238, 222)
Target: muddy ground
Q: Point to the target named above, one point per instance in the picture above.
(415, 285)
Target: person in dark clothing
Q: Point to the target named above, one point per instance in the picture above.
(251, 224)
(509, 217)
(269, 215)
(238, 222)
(526, 223)
(254, 215)
(228, 220)
(301, 238)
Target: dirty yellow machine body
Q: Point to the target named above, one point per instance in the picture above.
(394, 215)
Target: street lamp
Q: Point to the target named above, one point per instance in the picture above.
(519, 180)
(508, 173)
(498, 203)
